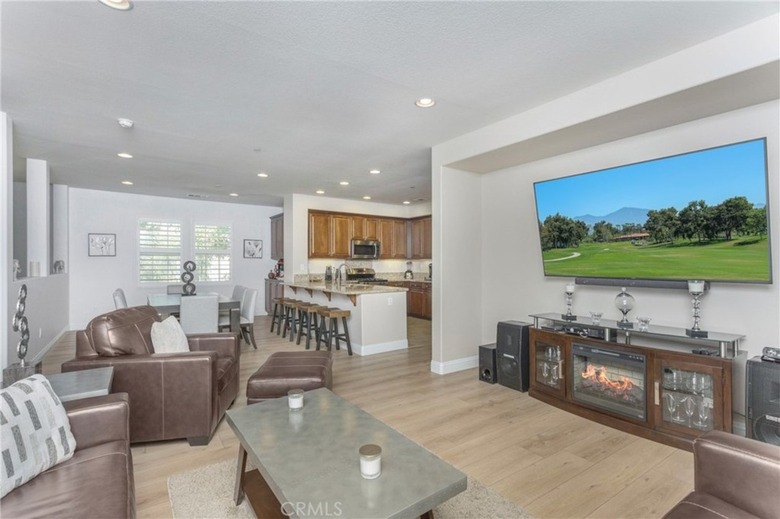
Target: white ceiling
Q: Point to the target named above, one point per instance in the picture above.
(325, 90)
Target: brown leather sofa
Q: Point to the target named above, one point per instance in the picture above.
(734, 477)
(97, 481)
(172, 395)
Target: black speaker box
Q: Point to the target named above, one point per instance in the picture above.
(763, 401)
(512, 354)
(487, 363)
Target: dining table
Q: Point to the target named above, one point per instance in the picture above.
(170, 303)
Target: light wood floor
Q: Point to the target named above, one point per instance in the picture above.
(550, 462)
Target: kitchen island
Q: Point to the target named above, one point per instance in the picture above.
(377, 323)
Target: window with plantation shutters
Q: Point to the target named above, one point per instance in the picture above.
(211, 244)
(159, 251)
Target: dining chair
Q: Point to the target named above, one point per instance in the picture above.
(247, 320)
(199, 314)
(238, 295)
(119, 299)
(175, 289)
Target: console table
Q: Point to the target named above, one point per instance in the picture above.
(670, 388)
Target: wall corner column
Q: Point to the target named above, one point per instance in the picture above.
(7, 226)
(38, 218)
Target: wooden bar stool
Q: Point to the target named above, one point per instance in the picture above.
(289, 315)
(310, 315)
(277, 316)
(299, 315)
(329, 330)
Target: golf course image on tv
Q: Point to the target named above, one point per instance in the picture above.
(699, 215)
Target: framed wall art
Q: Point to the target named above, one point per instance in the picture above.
(253, 249)
(102, 244)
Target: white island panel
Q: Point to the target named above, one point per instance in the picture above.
(377, 322)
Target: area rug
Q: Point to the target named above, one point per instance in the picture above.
(207, 493)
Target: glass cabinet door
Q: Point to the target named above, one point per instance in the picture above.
(688, 397)
(548, 366)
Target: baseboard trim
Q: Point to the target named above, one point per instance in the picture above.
(451, 366)
(382, 347)
(45, 350)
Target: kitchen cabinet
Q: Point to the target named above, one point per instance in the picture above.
(372, 228)
(330, 235)
(277, 236)
(342, 235)
(273, 288)
(400, 239)
(419, 298)
(422, 238)
(359, 231)
(320, 235)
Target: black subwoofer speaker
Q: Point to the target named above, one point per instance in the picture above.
(763, 401)
(512, 354)
(487, 363)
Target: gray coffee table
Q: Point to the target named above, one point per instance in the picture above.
(308, 461)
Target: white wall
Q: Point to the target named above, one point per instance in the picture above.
(6, 230)
(38, 216)
(19, 250)
(46, 312)
(513, 281)
(93, 279)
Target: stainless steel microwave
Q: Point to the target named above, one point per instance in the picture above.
(364, 249)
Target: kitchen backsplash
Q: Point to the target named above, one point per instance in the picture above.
(385, 269)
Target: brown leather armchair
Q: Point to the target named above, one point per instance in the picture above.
(733, 477)
(172, 395)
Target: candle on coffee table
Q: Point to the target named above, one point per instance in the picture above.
(370, 461)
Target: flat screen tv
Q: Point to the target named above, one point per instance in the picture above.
(700, 215)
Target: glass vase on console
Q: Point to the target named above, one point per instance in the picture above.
(625, 303)
(569, 291)
(697, 289)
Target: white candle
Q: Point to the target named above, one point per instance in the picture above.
(295, 399)
(370, 461)
(35, 269)
(695, 286)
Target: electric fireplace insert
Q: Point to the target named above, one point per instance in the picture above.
(609, 380)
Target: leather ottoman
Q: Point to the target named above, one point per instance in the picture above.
(286, 370)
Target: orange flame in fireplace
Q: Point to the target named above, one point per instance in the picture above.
(599, 374)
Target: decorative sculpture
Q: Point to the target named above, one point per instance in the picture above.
(187, 276)
(20, 325)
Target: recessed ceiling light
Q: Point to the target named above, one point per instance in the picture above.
(320, 192)
(406, 202)
(366, 197)
(125, 123)
(127, 183)
(233, 194)
(344, 183)
(124, 155)
(375, 172)
(262, 175)
(425, 102)
(122, 5)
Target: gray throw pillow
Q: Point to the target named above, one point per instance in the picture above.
(34, 429)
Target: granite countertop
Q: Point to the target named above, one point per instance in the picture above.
(348, 289)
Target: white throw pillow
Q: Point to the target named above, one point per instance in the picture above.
(168, 337)
(34, 429)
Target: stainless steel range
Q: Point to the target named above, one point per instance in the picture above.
(363, 275)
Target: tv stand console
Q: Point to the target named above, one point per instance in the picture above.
(670, 388)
